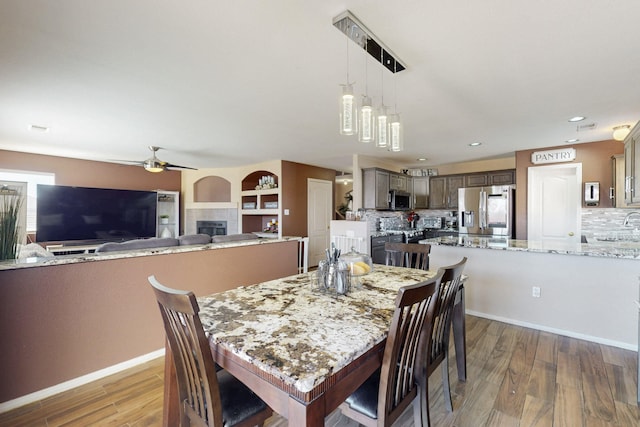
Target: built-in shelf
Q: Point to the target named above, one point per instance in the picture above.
(168, 204)
(258, 207)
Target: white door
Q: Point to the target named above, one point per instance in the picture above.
(554, 203)
(319, 210)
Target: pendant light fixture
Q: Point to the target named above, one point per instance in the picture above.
(348, 107)
(366, 115)
(372, 126)
(395, 126)
(382, 118)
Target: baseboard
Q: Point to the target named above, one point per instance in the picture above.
(76, 382)
(591, 338)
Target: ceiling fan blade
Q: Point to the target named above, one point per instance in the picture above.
(169, 165)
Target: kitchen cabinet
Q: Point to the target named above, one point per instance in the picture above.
(503, 177)
(378, 255)
(616, 192)
(443, 191)
(375, 188)
(420, 192)
(632, 167)
(399, 182)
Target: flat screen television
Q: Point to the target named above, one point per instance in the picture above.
(94, 214)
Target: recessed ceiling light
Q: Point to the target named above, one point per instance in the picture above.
(571, 141)
(577, 119)
(38, 128)
(421, 159)
(475, 144)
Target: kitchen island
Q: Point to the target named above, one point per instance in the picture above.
(586, 291)
(70, 319)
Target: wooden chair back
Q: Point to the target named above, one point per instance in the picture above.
(412, 255)
(195, 368)
(402, 374)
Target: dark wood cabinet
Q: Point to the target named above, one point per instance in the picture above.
(420, 192)
(505, 177)
(375, 188)
(443, 191)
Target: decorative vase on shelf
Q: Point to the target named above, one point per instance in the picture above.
(166, 232)
(164, 220)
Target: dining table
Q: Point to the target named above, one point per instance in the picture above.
(301, 349)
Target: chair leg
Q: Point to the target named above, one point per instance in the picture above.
(445, 382)
(421, 408)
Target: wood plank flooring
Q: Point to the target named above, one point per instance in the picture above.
(516, 377)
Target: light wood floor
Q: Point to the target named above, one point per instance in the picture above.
(517, 377)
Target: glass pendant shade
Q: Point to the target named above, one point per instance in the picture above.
(366, 119)
(348, 111)
(382, 128)
(395, 133)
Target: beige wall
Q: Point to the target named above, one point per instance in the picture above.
(60, 322)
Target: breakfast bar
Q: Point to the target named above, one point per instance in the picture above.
(583, 290)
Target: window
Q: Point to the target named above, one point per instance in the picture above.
(32, 179)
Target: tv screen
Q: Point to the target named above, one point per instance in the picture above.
(94, 214)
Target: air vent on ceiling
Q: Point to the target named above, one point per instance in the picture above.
(586, 127)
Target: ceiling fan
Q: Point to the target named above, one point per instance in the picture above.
(153, 164)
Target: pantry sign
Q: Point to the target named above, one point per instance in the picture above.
(553, 156)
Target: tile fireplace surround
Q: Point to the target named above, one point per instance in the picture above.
(229, 215)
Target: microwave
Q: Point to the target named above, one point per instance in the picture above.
(399, 200)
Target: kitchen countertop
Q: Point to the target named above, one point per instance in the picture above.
(77, 258)
(613, 249)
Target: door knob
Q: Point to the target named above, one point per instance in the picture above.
(571, 233)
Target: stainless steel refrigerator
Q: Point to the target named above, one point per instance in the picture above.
(487, 211)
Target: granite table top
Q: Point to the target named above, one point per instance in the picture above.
(78, 258)
(299, 335)
(614, 249)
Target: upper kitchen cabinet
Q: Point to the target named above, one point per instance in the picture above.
(632, 167)
(443, 191)
(375, 188)
(503, 177)
(420, 192)
(399, 182)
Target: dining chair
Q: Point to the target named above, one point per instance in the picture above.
(401, 381)
(207, 398)
(412, 255)
(438, 350)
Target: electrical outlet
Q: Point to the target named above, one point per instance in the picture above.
(535, 292)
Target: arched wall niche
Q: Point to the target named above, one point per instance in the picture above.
(250, 181)
(212, 189)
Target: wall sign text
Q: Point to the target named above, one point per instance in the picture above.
(553, 156)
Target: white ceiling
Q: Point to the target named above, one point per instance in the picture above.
(224, 83)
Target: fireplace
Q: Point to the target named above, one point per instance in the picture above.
(212, 228)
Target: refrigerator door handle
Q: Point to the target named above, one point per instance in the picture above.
(482, 210)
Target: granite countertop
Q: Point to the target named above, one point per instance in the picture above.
(78, 258)
(301, 336)
(611, 249)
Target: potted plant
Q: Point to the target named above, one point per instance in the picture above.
(10, 204)
(164, 219)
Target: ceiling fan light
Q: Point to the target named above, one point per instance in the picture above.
(621, 132)
(153, 165)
